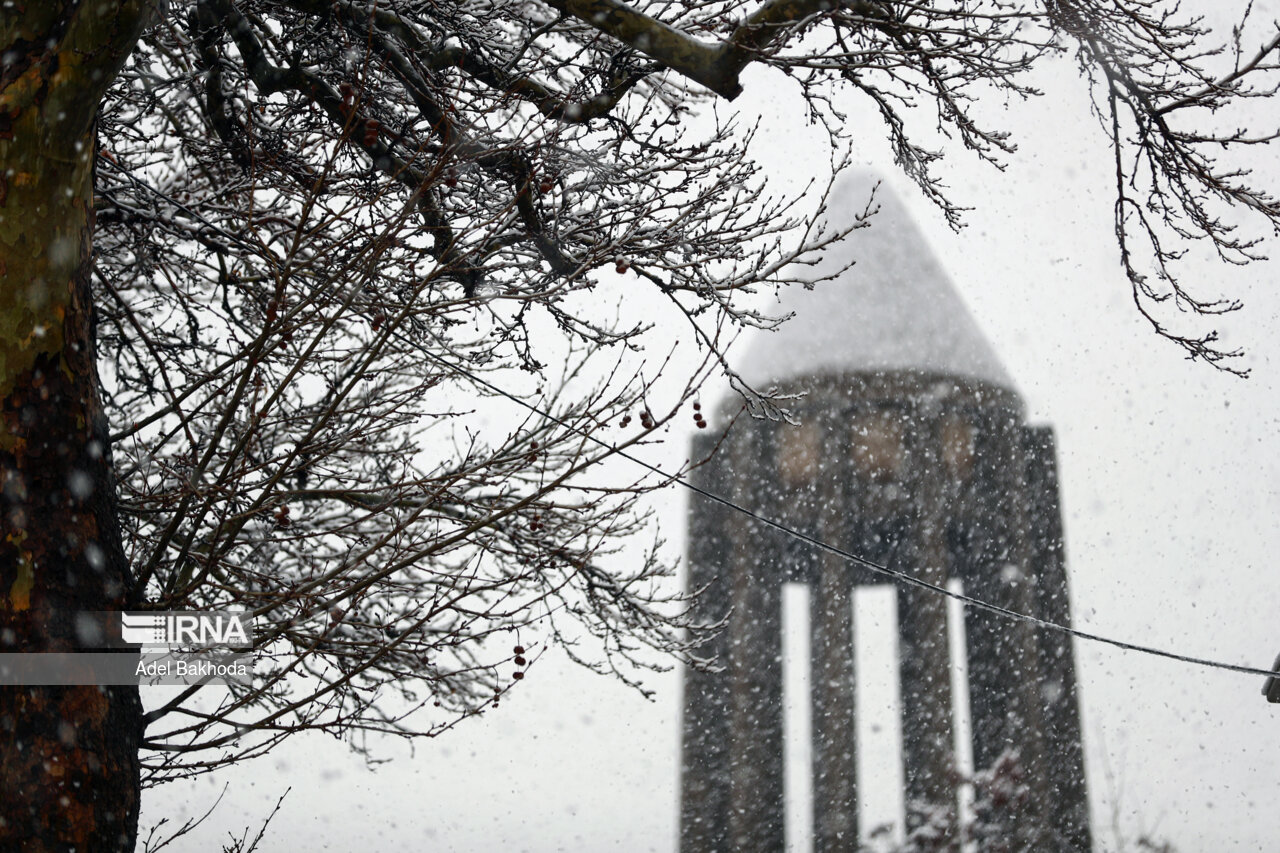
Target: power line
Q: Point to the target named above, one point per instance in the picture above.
(898, 576)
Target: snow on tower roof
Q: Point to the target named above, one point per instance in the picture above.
(895, 309)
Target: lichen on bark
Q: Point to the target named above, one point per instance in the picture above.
(68, 755)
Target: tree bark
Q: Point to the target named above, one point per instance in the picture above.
(69, 769)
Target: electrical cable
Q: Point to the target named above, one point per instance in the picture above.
(898, 576)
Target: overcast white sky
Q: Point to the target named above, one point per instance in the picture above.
(1171, 491)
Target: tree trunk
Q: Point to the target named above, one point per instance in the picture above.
(69, 771)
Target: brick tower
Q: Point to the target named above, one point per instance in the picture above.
(911, 450)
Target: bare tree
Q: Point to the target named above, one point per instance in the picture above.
(323, 223)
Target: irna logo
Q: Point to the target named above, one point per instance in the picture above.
(228, 629)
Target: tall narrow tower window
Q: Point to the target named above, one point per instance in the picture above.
(799, 449)
(958, 446)
(876, 439)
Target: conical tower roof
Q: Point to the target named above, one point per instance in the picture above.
(895, 309)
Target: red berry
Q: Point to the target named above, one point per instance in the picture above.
(517, 675)
(519, 650)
